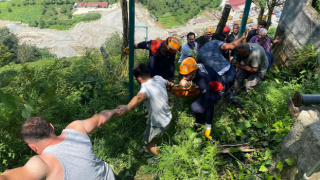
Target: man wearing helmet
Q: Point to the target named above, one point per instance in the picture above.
(209, 33)
(211, 88)
(161, 56)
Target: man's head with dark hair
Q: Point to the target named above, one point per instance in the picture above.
(191, 38)
(202, 40)
(262, 24)
(243, 49)
(217, 36)
(35, 129)
(141, 70)
(191, 34)
(236, 29)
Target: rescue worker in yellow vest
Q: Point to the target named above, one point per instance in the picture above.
(161, 56)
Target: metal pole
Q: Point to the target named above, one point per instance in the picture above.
(311, 171)
(131, 46)
(243, 24)
(146, 34)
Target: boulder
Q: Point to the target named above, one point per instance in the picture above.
(303, 144)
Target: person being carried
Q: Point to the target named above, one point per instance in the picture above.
(67, 156)
(162, 55)
(190, 48)
(153, 93)
(211, 88)
(255, 68)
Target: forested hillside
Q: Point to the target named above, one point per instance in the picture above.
(178, 11)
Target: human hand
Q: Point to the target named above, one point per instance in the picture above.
(236, 64)
(207, 133)
(126, 51)
(122, 109)
(244, 35)
(170, 84)
(276, 40)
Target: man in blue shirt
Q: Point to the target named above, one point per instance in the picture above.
(189, 49)
(210, 54)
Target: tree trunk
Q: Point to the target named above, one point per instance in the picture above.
(271, 6)
(260, 14)
(125, 23)
(224, 18)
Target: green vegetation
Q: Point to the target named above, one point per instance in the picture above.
(67, 89)
(45, 14)
(174, 13)
(316, 5)
(11, 52)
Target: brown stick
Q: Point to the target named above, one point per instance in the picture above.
(226, 151)
(235, 145)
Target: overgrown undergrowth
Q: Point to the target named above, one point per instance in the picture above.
(76, 88)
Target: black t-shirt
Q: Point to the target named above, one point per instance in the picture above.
(230, 39)
(251, 34)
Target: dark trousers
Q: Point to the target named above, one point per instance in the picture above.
(163, 67)
(204, 112)
(270, 59)
(228, 79)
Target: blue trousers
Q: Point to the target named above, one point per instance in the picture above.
(162, 66)
(270, 59)
(203, 107)
(229, 78)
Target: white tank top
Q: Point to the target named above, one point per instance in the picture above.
(76, 156)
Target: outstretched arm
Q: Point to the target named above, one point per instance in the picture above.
(135, 101)
(35, 169)
(89, 125)
(233, 44)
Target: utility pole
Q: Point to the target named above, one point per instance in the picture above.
(125, 23)
(224, 18)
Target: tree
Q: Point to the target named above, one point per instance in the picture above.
(5, 55)
(125, 23)
(262, 5)
(267, 5)
(10, 40)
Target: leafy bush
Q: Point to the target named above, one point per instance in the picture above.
(5, 55)
(18, 5)
(272, 32)
(91, 16)
(9, 9)
(10, 40)
(13, 4)
(43, 11)
(42, 24)
(305, 58)
(63, 9)
(113, 45)
(316, 5)
(28, 53)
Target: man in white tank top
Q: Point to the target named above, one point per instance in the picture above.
(66, 157)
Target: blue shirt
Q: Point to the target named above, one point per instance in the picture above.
(210, 55)
(187, 51)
